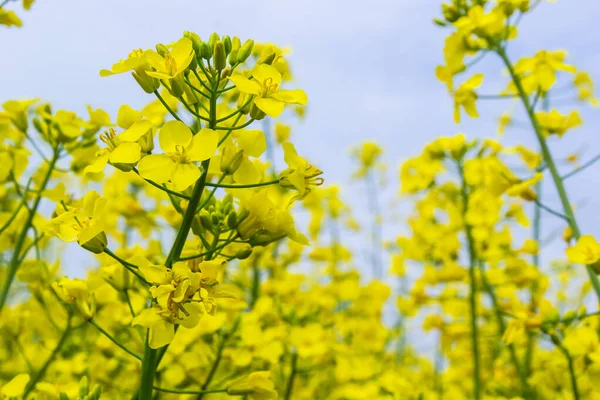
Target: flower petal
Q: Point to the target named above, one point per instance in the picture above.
(245, 85)
(135, 131)
(126, 153)
(270, 106)
(157, 167)
(203, 145)
(173, 134)
(184, 176)
(296, 96)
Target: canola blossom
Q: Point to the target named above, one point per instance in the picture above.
(220, 273)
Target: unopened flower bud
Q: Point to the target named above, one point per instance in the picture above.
(206, 51)
(196, 41)
(231, 160)
(162, 49)
(84, 386)
(213, 39)
(244, 252)
(268, 59)
(147, 142)
(232, 220)
(256, 113)
(206, 222)
(227, 43)
(95, 393)
(245, 51)
(220, 57)
(97, 244)
(147, 83)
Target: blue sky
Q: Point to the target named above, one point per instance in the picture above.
(367, 68)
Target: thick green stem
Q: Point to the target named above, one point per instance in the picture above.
(148, 370)
(149, 362)
(548, 159)
(473, 288)
(14, 262)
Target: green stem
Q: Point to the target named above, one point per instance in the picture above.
(572, 375)
(290, 383)
(130, 267)
(149, 362)
(473, 288)
(525, 391)
(190, 391)
(148, 370)
(250, 185)
(14, 262)
(164, 189)
(164, 103)
(31, 384)
(112, 339)
(16, 212)
(211, 194)
(549, 160)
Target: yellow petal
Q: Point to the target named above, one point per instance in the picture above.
(182, 53)
(273, 108)
(98, 165)
(135, 131)
(127, 116)
(16, 386)
(155, 60)
(157, 167)
(203, 145)
(173, 134)
(296, 96)
(253, 142)
(126, 153)
(184, 176)
(245, 85)
(247, 173)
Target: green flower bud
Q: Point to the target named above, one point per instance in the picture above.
(147, 142)
(243, 252)
(63, 396)
(227, 43)
(220, 56)
(196, 41)
(38, 124)
(268, 59)
(206, 51)
(215, 219)
(206, 222)
(162, 49)
(232, 220)
(245, 51)
(177, 88)
(233, 57)
(87, 308)
(97, 244)
(84, 386)
(96, 392)
(147, 83)
(256, 112)
(235, 43)
(213, 39)
(231, 160)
